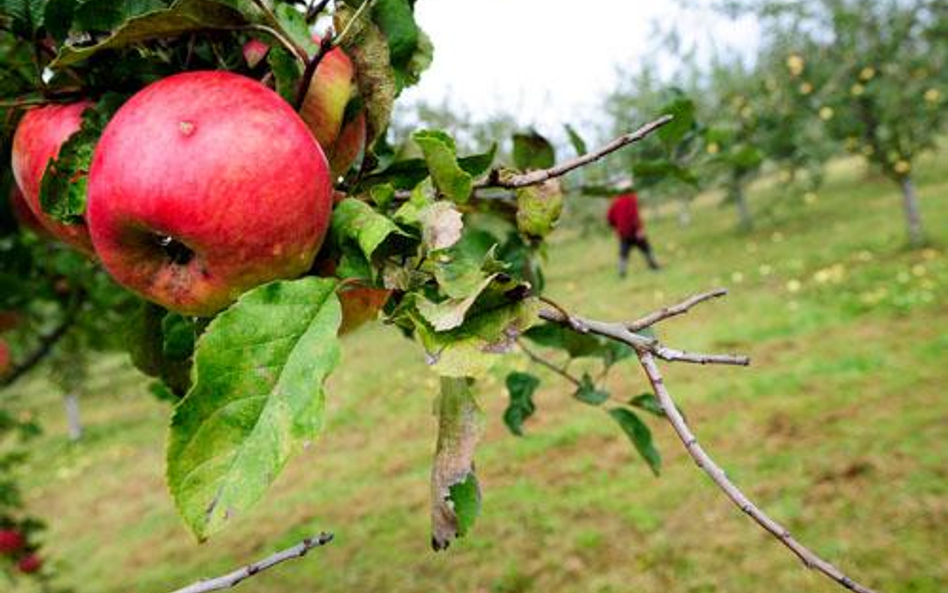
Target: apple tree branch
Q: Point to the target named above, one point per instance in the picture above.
(648, 349)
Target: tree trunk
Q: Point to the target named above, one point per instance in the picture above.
(72, 417)
(913, 216)
(746, 221)
(684, 212)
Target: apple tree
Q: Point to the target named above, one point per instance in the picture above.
(227, 164)
(880, 74)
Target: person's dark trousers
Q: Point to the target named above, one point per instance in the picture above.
(625, 247)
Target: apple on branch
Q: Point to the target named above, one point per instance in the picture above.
(204, 185)
(38, 138)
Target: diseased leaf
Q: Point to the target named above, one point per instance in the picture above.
(588, 393)
(532, 151)
(257, 398)
(472, 349)
(521, 387)
(367, 47)
(354, 220)
(539, 208)
(640, 435)
(441, 155)
(455, 495)
(449, 314)
(181, 17)
(441, 225)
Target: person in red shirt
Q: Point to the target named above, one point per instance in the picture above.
(624, 218)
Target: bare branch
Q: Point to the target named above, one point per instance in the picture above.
(704, 461)
(543, 362)
(537, 177)
(234, 578)
(647, 350)
(674, 310)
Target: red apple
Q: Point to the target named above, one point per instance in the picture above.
(254, 52)
(5, 360)
(204, 185)
(330, 92)
(37, 141)
(29, 564)
(11, 540)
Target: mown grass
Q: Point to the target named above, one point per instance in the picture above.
(838, 429)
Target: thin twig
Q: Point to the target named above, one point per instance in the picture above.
(543, 362)
(672, 355)
(46, 343)
(232, 579)
(704, 461)
(495, 179)
(647, 349)
(674, 310)
(314, 10)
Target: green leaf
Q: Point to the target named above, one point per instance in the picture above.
(182, 16)
(476, 165)
(354, 220)
(682, 111)
(58, 17)
(640, 435)
(178, 335)
(257, 398)
(532, 151)
(649, 403)
(410, 49)
(26, 16)
(553, 335)
(145, 341)
(293, 23)
(287, 72)
(579, 145)
(455, 495)
(588, 393)
(539, 208)
(521, 387)
(65, 180)
(465, 499)
(105, 15)
(441, 156)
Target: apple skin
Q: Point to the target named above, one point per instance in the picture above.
(29, 564)
(226, 169)
(254, 52)
(38, 138)
(11, 540)
(330, 91)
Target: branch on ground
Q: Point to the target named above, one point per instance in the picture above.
(234, 578)
(648, 349)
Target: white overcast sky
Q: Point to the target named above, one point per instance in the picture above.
(549, 61)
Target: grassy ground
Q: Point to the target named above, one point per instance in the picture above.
(838, 429)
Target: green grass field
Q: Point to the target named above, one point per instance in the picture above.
(838, 429)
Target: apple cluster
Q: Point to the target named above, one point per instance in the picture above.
(14, 545)
(203, 184)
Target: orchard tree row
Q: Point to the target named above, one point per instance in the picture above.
(211, 186)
